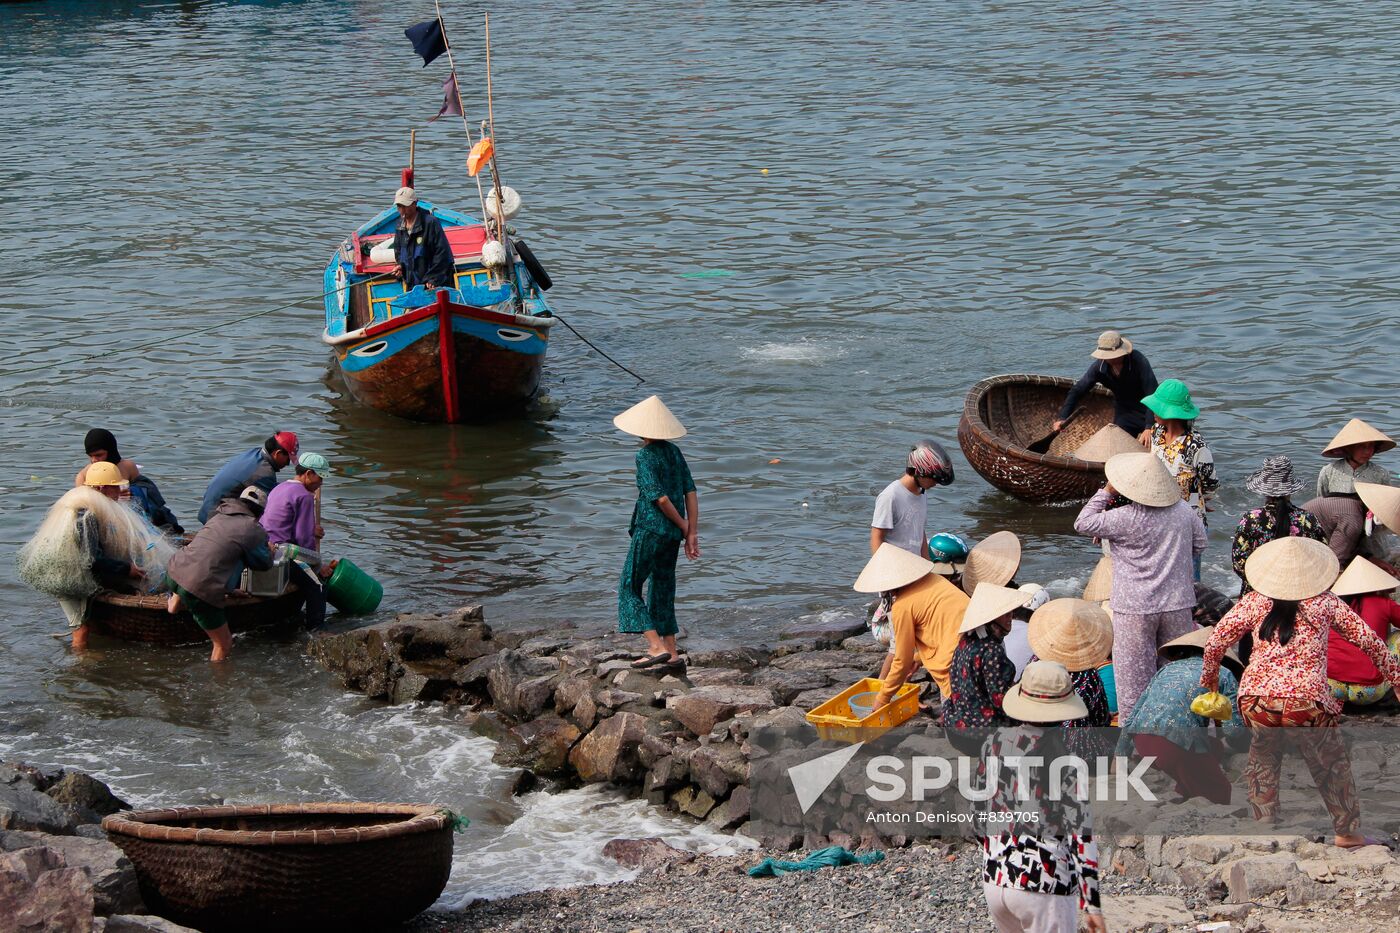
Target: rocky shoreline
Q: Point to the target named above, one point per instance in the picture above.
(568, 709)
(58, 871)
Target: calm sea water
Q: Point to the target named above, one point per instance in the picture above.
(902, 201)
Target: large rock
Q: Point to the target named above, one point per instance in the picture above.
(715, 676)
(541, 744)
(39, 892)
(23, 807)
(828, 629)
(81, 790)
(693, 801)
(743, 659)
(666, 774)
(733, 812)
(645, 853)
(824, 661)
(110, 872)
(716, 768)
(1253, 877)
(700, 709)
(522, 686)
(1127, 914)
(609, 752)
(788, 684)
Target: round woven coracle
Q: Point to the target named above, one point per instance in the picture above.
(144, 618)
(1004, 414)
(312, 866)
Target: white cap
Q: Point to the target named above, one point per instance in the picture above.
(405, 196)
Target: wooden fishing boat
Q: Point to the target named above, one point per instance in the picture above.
(466, 353)
(144, 618)
(1004, 414)
(298, 866)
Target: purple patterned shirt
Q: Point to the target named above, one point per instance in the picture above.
(1152, 552)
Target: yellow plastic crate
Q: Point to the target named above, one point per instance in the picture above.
(834, 720)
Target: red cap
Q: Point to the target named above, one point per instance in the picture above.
(288, 442)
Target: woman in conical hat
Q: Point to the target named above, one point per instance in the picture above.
(981, 672)
(1278, 518)
(1290, 615)
(1366, 589)
(1353, 448)
(666, 516)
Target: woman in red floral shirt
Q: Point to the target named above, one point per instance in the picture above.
(1290, 614)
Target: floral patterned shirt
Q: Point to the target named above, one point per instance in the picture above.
(1188, 459)
(1257, 527)
(1298, 669)
(1061, 864)
(980, 676)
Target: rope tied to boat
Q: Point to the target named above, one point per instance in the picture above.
(572, 330)
(457, 821)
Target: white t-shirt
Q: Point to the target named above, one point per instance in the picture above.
(902, 515)
(1018, 645)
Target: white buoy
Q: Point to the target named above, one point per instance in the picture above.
(493, 253)
(511, 202)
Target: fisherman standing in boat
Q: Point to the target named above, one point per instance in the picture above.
(420, 246)
(1123, 371)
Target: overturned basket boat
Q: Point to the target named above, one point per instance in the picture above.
(144, 618)
(344, 866)
(1003, 415)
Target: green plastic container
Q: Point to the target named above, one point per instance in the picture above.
(351, 590)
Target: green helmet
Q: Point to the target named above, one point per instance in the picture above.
(948, 548)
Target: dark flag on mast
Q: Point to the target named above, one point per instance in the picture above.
(451, 99)
(428, 40)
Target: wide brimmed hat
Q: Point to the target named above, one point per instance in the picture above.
(1143, 478)
(995, 559)
(1172, 400)
(1274, 478)
(1383, 501)
(1100, 583)
(891, 567)
(1292, 569)
(650, 419)
(1357, 432)
(1074, 632)
(989, 603)
(1109, 441)
(1045, 693)
(1362, 576)
(102, 474)
(1036, 596)
(1197, 640)
(1111, 346)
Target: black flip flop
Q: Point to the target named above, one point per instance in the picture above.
(652, 660)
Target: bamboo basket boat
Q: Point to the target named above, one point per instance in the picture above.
(1004, 414)
(271, 867)
(144, 618)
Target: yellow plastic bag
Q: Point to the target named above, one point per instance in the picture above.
(1213, 706)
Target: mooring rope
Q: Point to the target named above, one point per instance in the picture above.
(629, 372)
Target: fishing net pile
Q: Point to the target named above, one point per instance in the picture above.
(57, 560)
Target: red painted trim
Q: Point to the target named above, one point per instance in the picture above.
(447, 357)
(420, 314)
(406, 176)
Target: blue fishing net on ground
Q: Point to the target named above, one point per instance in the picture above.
(830, 857)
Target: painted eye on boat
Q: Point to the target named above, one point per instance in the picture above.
(515, 336)
(371, 349)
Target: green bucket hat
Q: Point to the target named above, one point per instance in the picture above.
(1172, 400)
(316, 462)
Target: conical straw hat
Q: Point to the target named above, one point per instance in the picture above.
(988, 603)
(994, 560)
(1143, 478)
(890, 568)
(650, 419)
(1074, 632)
(1362, 576)
(1383, 501)
(1107, 442)
(1357, 432)
(1198, 639)
(1291, 568)
(1100, 584)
